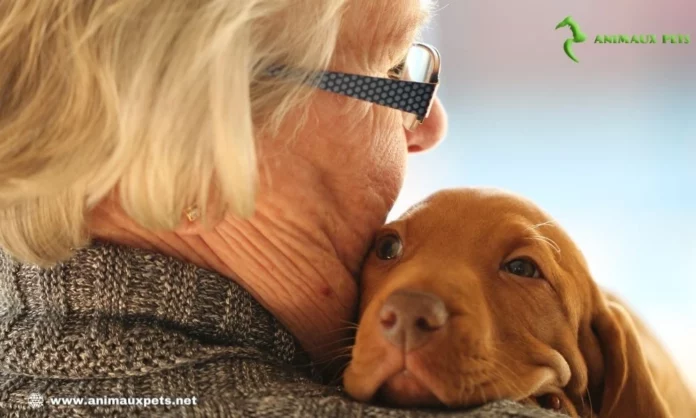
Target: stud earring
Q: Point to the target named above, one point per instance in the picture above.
(192, 213)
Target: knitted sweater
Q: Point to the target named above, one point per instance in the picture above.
(133, 333)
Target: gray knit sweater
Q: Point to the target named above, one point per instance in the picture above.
(114, 325)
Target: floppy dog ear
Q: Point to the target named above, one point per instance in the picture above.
(627, 388)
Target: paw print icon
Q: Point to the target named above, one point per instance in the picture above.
(35, 400)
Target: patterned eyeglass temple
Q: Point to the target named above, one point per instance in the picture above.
(408, 96)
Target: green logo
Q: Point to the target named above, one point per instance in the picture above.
(578, 36)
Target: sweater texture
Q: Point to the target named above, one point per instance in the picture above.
(115, 325)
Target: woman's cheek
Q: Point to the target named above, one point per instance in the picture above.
(390, 162)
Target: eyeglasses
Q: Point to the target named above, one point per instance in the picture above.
(410, 87)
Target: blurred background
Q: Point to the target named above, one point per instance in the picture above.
(606, 145)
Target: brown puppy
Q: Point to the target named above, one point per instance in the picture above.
(476, 295)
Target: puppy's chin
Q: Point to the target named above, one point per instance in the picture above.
(406, 390)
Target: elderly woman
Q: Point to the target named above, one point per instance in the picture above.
(187, 189)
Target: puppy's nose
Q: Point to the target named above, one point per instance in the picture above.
(409, 319)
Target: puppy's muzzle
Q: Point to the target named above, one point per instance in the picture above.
(410, 319)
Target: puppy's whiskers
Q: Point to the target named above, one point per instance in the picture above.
(344, 360)
(497, 389)
(498, 378)
(499, 364)
(537, 235)
(351, 328)
(537, 226)
(471, 388)
(341, 344)
(351, 324)
(589, 399)
(336, 353)
(467, 388)
(551, 243)
(336, 381)
(340, 340)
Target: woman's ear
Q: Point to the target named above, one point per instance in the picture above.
(627, 386)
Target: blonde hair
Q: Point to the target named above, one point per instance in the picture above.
(155, 99)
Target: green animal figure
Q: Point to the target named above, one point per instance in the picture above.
(578, 36)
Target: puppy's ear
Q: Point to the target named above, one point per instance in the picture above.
(626, 385)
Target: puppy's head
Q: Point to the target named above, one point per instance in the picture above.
(476, 295)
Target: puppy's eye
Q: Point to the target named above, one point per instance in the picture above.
(388, 247)
(522, 267)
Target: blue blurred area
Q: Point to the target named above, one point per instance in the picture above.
(611, 155)
(627, 177)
